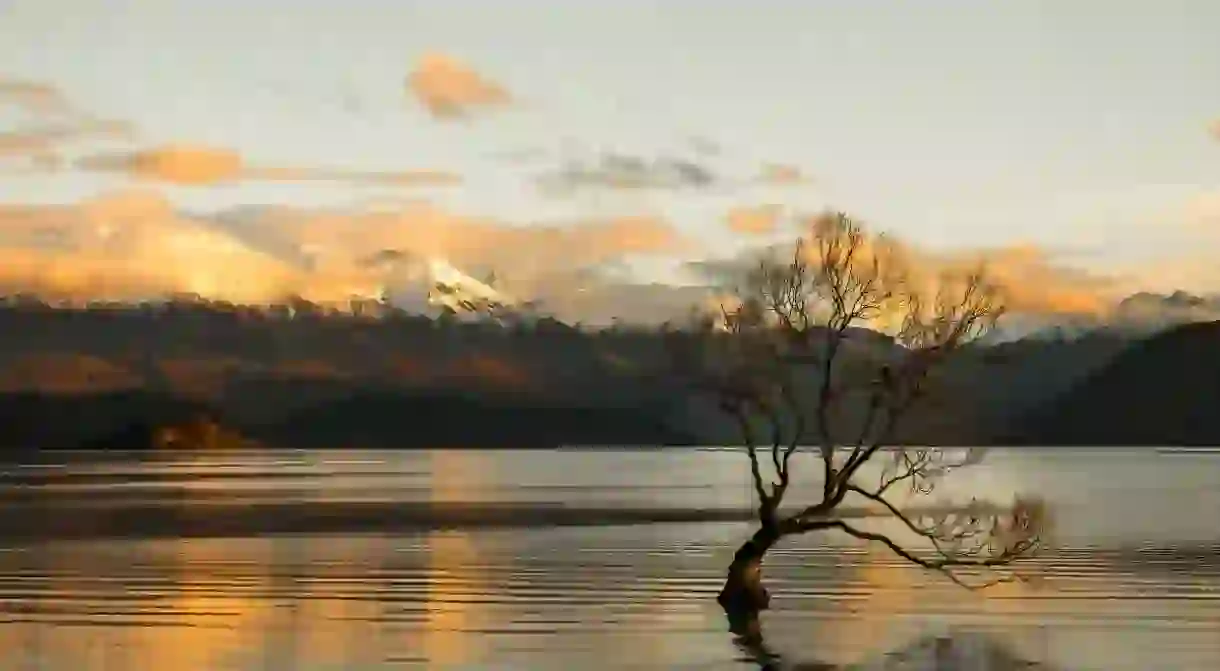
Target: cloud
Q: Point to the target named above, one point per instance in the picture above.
(1213, 129)
(623, 172)
(32, 142)
(1031, 280)
(704, 146)
(519, 253)
(204, 166)
(756, 220)
(133, 245)
(782, 174)
(33, 97)
(52, 121)
(48, 123)
(37, 141)
(177, 164)
(450, 89)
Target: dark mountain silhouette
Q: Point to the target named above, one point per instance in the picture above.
(999, 385)
(1161, 391)
(983, 388)
(309, 378)
(395, 418)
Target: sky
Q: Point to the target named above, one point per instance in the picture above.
(243, 149)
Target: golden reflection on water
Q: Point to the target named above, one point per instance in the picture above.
(454, 580)
(866, 628)
(332, 617)
(184, 617)
(450, 613)
(212, 613)
(206, 604)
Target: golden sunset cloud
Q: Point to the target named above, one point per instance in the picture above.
(194, 165)
(451, 89)
(757, 220)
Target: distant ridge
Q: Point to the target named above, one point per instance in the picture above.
(123, 373)
(1161, 391)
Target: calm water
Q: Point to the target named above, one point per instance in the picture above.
(1133, 584)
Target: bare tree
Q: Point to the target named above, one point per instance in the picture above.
(790, 363)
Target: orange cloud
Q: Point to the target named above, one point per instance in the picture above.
(206, 166)
(32, 96)
(423, 230)
(133, 245)
(759, 220)
(450, 89)
(36, 140)
(781, 173)
(1029, 278)
(1214, 129)
(31, 142)
(1032, 282)
(178, 164)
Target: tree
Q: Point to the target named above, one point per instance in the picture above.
(791, 362)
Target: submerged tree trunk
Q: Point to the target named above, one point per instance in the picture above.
(743, 596)
(743, 591)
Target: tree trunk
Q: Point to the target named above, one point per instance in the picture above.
(743, 593)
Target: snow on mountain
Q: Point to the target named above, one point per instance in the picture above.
(454, 290)
(420, 284)
(1160, 310)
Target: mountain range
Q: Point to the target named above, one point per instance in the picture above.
(300, 375)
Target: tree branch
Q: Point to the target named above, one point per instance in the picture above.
(799, 312)
(944, 564)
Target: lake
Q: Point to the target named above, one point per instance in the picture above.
(198, 561)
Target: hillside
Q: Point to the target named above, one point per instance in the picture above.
(1161, 391)
(397, 419)
(342, 379)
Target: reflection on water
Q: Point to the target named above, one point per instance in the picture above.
(453, 569)
(608, 596)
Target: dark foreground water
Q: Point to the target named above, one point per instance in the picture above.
(401, 560)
